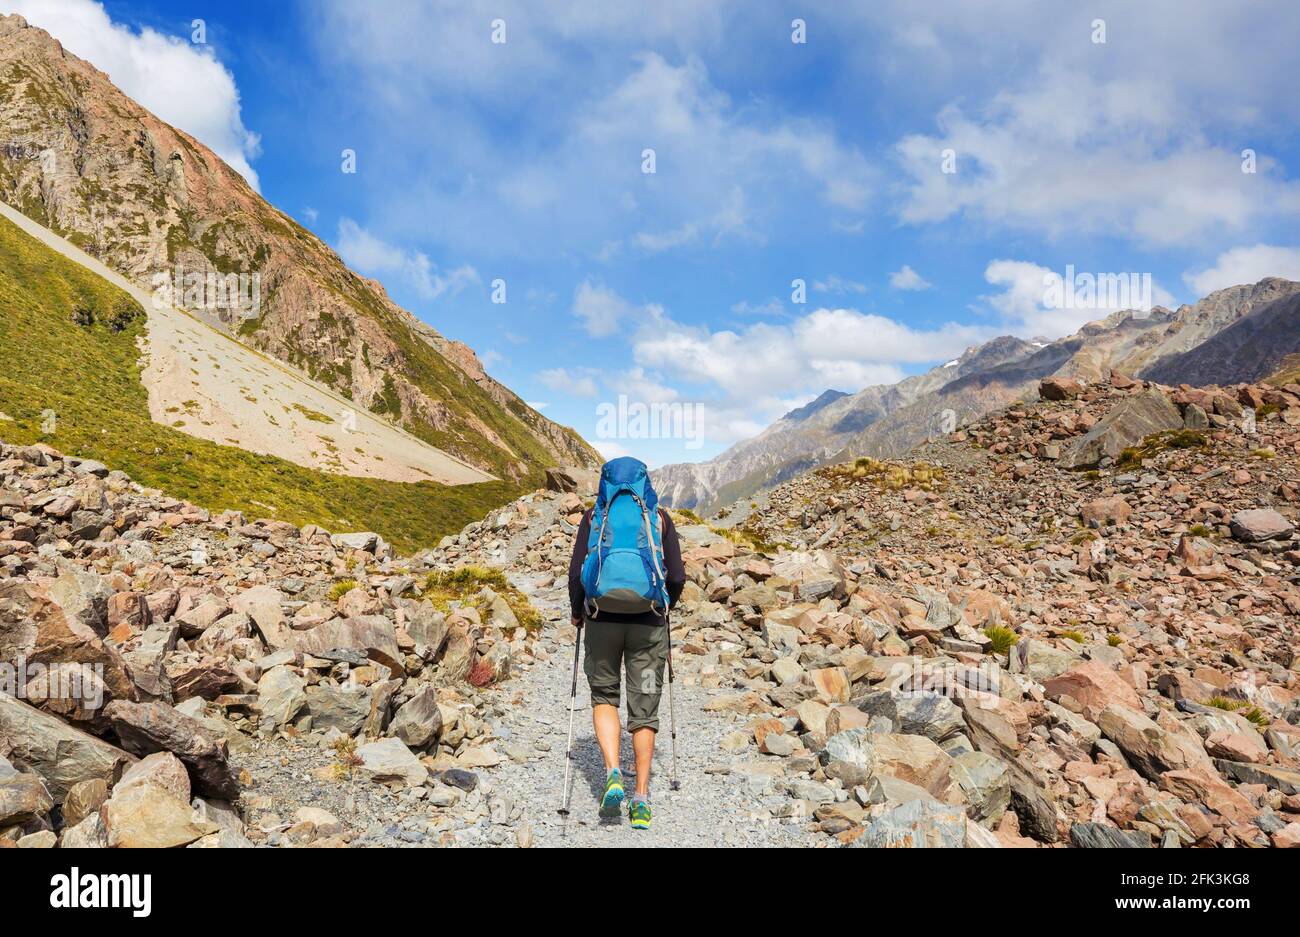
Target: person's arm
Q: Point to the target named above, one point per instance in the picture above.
(674, 570)
(576, 593)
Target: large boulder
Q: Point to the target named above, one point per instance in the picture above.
(83, 595)
(930, 714)
(389, 761)
(1260, 524)
(915, 759)
(1059, 388)
(146, 728)
(151, 817)
(1128, 423)
(281, 695)
(1041, 661)
(70, 670)
(419, 720)
(262, 606)
(60, 754)
(23, 797)
(986, 783)
(373, 635)
(1151, 749)
(916, 824)
(850, 756)
(1094, 686)
(343, 708)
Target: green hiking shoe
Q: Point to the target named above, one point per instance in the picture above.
(639, 813)
(612, 800)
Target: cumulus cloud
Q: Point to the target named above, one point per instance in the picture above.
(1033, 301)
(603, 312)
(611, 450)
(374, 256)
(577, 383)
(825, 348)
(908, 279)
(575, 176)
(181, 82)
(1246, 265)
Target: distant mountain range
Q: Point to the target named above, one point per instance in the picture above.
(1243, 333)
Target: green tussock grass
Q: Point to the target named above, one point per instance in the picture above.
(89, 375)
(1253, 713)
(746, 538)
(1076, 636)
(341, 588)
(313, 415)
(1114, 640)
(685, 516)
(463, 584)
(1159, 442)
(1003, 638)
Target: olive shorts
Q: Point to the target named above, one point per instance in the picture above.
(642, 650)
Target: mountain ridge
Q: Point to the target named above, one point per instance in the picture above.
(888, 420)
(91, 164)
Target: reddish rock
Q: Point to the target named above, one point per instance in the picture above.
(1094, 686)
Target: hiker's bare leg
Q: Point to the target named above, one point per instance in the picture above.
(643, 746)
(604, 719)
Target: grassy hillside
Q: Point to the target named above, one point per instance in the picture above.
(68, 345)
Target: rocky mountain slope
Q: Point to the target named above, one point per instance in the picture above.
(971, 647)
(86, 161)
(1222, 339)
(162, 395)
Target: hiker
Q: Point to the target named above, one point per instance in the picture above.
(625, 575)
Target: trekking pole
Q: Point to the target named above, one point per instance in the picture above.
(573, 704)
(673, 783)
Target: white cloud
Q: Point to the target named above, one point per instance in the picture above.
(1029, 308)
(572, 180)
(1140, 135)
(538, 405)
(1246, 265)
(908, 279)
(376, 257)
(610, 450)
(603, 312)
(575, 383)
(838, 284)
(182, 83)
(825, 348)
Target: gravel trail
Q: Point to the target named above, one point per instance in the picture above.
(717, 804)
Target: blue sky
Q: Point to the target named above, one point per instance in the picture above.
(775, 161)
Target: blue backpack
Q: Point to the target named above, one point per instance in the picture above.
(624, 571)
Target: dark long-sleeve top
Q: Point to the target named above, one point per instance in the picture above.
(674, 573)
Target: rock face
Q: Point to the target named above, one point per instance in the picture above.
(163, 199)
